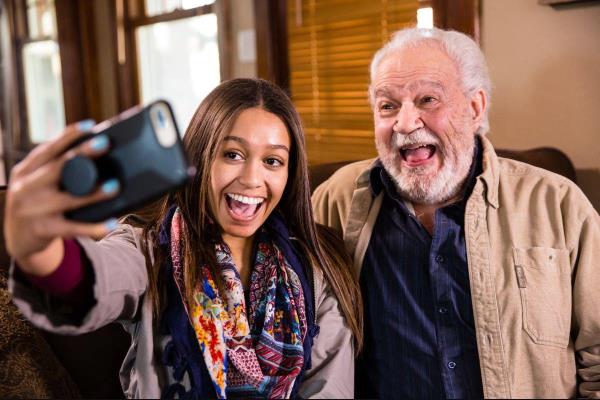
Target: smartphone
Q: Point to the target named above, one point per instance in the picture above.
(145, 155)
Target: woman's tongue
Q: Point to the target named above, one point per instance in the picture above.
(419, 154)
(242, 209)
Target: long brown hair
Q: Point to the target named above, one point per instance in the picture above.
(213, 119)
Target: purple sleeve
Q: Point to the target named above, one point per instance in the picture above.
(72, 281)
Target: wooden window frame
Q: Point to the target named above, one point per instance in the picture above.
(131, 14)
(14, 113)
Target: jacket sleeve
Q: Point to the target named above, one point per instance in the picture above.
(585, 253)
(322, 208)
(332, 372)
(120, 280)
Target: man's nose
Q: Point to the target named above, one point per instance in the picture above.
(251, 174)
(408, 119)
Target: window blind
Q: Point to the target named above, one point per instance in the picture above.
(331, 43)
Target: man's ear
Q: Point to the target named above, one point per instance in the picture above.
(478, 106)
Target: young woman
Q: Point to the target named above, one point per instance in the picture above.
(228, 289)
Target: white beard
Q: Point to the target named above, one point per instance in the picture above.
(422, 185)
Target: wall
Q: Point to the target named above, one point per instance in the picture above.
(545, 67)
(243, 39)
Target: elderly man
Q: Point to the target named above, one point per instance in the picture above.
(480, 275)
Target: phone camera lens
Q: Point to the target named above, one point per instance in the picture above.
(161, 118)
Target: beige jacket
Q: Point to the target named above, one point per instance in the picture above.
(533, 251)
(120, 286)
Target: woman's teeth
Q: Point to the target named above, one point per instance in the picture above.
(245, 199)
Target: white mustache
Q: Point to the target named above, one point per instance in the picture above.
(420, 136)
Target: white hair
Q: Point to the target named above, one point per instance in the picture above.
(459, 47)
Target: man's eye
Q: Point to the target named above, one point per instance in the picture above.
(386, 107)
(428, 100)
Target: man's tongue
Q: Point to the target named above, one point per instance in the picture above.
(242, 209)
(419, 154)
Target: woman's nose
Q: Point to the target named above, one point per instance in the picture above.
(251, 174)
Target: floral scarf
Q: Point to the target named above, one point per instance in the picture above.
(254, 354)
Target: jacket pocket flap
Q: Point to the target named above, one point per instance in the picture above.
(543, 258)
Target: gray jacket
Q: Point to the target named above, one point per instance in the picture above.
(121, 281)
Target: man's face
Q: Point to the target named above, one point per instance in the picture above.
(424, 123)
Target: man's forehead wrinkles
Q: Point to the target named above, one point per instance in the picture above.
(386, 88)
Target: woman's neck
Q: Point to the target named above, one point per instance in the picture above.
(241, 252)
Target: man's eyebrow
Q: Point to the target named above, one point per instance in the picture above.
(388, 92)
(385, 92)
(246, 143)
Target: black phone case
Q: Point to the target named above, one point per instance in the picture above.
(144, 168)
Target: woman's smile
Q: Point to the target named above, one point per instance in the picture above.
(250, 173)
(243, 208)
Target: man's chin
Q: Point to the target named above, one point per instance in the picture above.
(426, 188)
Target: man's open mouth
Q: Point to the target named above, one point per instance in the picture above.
(417, 153)
(243, 207)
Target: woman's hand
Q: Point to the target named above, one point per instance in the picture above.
(34, 221)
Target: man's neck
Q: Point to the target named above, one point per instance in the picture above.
(425, 213)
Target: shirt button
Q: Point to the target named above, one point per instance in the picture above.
(439, 258)
(451, 365)
(442, 310)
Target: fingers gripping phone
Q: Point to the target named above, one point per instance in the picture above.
(145, 155)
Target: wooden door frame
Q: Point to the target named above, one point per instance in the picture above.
(272, 42)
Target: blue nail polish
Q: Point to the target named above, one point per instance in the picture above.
(111, 224)
(86, 125)
(99, 143)
(110, 186)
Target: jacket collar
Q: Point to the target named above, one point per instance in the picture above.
(491, 172)
(364, 177)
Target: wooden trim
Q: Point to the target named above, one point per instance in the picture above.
(223, 12)
(89, 59)
(11, 123)
(561, 2)
(69, 43)
(20, 132)
(459, 15)
(27, 40)
(172, 16)
(127, 71)
(272, 42)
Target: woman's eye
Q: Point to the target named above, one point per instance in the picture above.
(273, 162)
(233, 155)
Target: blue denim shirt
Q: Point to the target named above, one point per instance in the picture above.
(419, 329)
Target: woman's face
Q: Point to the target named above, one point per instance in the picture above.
(249, 173)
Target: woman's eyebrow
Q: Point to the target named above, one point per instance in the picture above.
(246, 143)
